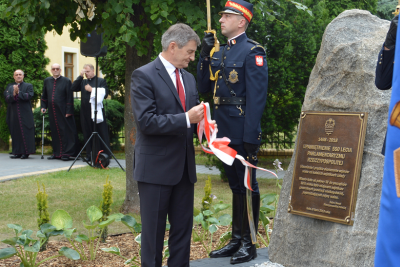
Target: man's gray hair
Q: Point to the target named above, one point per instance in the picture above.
(179, 33)
(89, 65)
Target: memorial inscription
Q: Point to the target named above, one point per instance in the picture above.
(327, 165)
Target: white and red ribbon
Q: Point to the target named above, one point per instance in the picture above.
(219, 146)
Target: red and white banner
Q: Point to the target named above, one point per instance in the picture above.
(219, 146)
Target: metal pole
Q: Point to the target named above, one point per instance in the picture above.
(95, 115)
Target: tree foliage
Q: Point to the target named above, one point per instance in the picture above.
(138, 26)
(291, 46)
(335, 7)
(385, 8)
(17, 52)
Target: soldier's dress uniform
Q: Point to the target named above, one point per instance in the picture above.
(237, 75)
(238, 113)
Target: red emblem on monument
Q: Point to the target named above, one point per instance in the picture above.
(259, 61)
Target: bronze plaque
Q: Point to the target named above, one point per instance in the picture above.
(327, 165)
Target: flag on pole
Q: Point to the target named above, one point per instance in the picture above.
(387, 252)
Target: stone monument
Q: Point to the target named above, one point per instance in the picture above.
(342, 80)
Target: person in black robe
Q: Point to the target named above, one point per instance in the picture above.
(58, 99)
(85, 86)
(20, 117)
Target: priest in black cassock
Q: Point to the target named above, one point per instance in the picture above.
(58, 99)
(85, 86)
(20, 117)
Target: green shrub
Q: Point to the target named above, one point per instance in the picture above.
(115, 119)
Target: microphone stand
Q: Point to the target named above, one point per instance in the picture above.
(94, 133)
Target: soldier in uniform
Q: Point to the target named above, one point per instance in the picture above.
(384, 66)
(237, 76)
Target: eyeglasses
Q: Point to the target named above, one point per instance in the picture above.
(55, 69)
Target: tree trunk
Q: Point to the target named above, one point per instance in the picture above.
(133, 61)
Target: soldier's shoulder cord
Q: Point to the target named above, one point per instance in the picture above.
(252, 41)
(256, 44)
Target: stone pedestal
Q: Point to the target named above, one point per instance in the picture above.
(342, 80)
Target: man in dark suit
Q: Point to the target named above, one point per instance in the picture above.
(166, 108)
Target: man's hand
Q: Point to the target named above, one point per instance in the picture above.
(82, 72)
(207, 44)
(16, 89)
(88, 88)
(68, 115)
(390, 41)
(251, 150)
(196, 113)
(43, 110)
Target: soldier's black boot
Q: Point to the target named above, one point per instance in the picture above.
(247, 250)
(238, 202)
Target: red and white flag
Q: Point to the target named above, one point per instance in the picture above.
(219, 146)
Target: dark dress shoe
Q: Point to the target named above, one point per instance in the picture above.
(88, 159)
(25, 156)
(15, 156)
(52, 157)
(65, 158)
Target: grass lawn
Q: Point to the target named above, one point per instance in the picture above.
(80, 188)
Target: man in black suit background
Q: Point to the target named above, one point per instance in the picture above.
(166, 108)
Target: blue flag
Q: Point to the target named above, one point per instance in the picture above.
(387, 253)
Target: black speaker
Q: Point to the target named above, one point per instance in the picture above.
(93, 46)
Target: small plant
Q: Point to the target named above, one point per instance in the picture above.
(105, 207)
(207, 199)
(208, 222)
(42, 206)
(63, 221)
(135, 229)
(209, 225)
(27, 248)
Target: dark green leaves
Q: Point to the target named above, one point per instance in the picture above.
(69, 253)
(6, 253)
(118, 8)
(17, 228)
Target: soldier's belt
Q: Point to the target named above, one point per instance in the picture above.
(229, 100)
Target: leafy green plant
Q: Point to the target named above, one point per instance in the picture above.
(135, 229)
(208, 225)
(105, 207)
(27, 248)
(207, 199)
(42, 206)
(63, 221)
